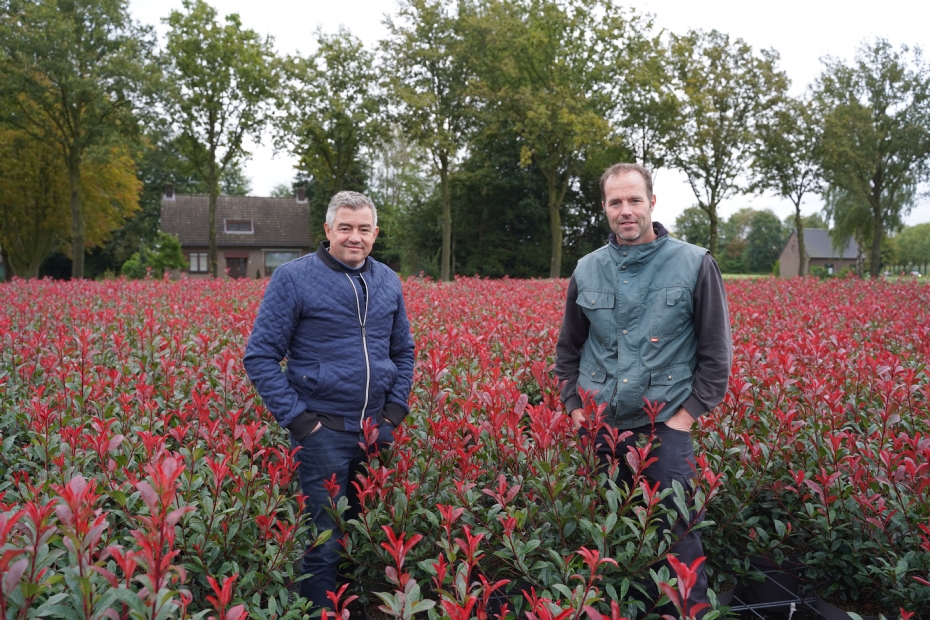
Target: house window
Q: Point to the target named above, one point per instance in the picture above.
(239, 226)
(829, 267)
(277, 258)
(198, 262)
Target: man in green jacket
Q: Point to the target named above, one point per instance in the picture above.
(646, 320)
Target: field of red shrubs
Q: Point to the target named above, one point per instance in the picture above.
(142, 478)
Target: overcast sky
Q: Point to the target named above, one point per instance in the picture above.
(803, 31)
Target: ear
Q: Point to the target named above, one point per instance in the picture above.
(652, 205)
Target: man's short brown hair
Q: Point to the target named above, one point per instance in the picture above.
(623, 168)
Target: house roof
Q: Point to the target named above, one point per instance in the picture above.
(817, 244)
(276, 222)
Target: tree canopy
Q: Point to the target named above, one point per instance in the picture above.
(876, 137)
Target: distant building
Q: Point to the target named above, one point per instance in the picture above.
(819, 249)
(253, 235)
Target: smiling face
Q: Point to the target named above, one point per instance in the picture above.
(628, 206)
(352, 235)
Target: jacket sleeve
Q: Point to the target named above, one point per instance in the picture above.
(714, 341)
(573, 335)
(402, 354)
(268, 344)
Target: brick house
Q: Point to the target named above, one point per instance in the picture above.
(253, 235)
(819, 249)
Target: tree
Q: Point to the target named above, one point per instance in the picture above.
(69, 72)
(35, 193)
(764, 241)
(548, 69)
(218, 84)
(725, 89)
(401, 186)
(650, 116)
(282, 190)
(428, 73)
(876, 138)
(164, 253)
(812, 220)
(851, 215)
(787, 158)
(734, 242)
(332, 112)
(693, 226)
(914, 245)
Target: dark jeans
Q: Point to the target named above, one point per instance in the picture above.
(675, 454)
(323, 453)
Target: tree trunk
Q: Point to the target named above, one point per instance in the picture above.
(802, 251)
(875, 258)
(711, 211)
(7, 269)
(555, 227)
(445, 265)
(213, 183)
(77, 218)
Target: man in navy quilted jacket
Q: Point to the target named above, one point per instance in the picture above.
(338, 318)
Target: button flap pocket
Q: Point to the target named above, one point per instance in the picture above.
(672, 296)
(670, 375)
(594, 372)
(595, 299)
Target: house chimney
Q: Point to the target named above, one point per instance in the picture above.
(169, 191)
(301, 194)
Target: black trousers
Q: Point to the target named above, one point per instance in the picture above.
(675, 453)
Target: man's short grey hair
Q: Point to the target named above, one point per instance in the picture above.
(623, 168)
(352, 200)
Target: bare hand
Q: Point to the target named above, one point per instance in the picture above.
(578, 418)
(681, 421)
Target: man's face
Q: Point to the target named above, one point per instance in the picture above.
(629, 208)
(351, 236)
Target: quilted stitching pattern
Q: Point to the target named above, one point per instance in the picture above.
(309, 315)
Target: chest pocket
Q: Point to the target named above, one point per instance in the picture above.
(599, 308)
(670, 312)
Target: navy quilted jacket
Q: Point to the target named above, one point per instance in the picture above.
(339, 363)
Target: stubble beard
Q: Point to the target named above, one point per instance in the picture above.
(631, 236)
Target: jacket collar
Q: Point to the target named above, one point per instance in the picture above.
(330, 261)
(640, 252)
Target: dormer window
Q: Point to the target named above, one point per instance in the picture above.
(239, 226)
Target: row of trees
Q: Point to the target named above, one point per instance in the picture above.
(481, 126)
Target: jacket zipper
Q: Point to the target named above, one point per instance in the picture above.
(362, 320)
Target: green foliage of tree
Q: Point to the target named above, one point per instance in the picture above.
(764, 242)
(427, 61)
(787, 159)
(649, 119)
(501, 224)
(218, 85)
(693, 226)
(164, 253)
(734, 241)
(876, 141)
(35, 192)
(811, 220)
(402, 188)
(69, 74)
(548, 70)
(332, 112)
(725, 89)
(282, 190)
(914, 245)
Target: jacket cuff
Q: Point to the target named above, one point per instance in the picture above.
(694, 407)
(394, 413)
(572, 403)
(302, 425)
